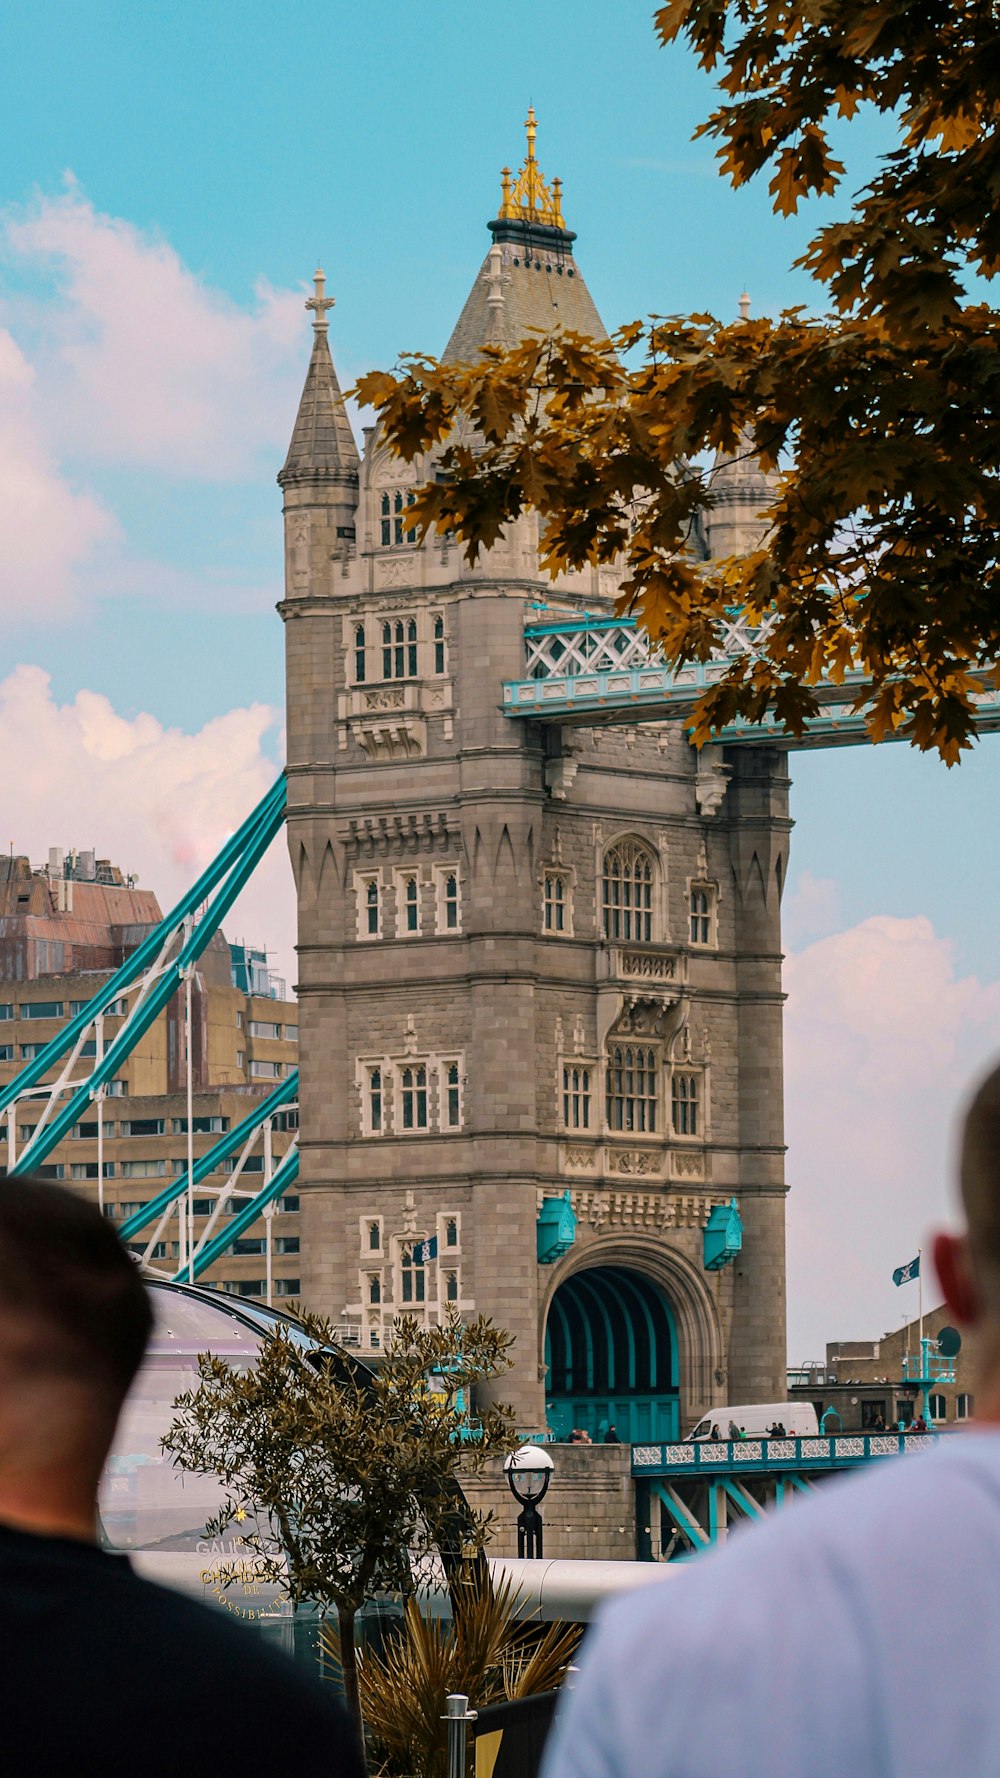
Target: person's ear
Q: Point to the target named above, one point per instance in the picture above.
(951, 1263)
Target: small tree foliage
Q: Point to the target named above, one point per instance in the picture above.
(345, 1483)
(879, 421)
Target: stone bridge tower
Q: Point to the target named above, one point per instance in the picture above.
(539, 973)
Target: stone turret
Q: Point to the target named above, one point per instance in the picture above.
(319, 477)
(741, 492)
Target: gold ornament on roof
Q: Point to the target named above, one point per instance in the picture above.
(528, 198)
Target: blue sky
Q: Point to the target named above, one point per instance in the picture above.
(168, 176)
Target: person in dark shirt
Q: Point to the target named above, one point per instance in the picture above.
(103, 1672)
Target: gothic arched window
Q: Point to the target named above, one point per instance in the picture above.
(627, 897)
(359, 653)
(630, 1088)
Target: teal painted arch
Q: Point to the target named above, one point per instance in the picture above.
(611, 1355)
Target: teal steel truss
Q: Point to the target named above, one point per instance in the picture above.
(595, 670)
(71, 1073)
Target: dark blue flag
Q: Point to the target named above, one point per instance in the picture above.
(425, 1250)
(906, 1274)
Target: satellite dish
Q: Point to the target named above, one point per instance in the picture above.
(949, 1342)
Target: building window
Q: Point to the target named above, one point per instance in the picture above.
(30, 1050)
(287, 1244)
(873, 1415)
(965, 1407)
(386, 521)
(576, 1097)
(413, 1097)
(6, 1052)
(554, 902)
(89, 1170)
(685, 1104)
(368, 891)
(411, 646)
(448, 906)
(451, 1232)
(144, 1169)
(413, 1279)
(264, 1028)
(439, 644)
(453, 1096)
(43, 1009)
(374, 1287)
(359, 653)
(702, 914)
(408, 903)
(141, 1126)
(6, 1009)
(202, 1126)
(241, 1058)
(451, 1287)
(631, 1088)
(374, 1237)
(411, 904)
(288, 1287)
(267, 1070)
(628, 893)
(939, 1408)
(375, 1101)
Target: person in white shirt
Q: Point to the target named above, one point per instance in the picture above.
(855, 1634)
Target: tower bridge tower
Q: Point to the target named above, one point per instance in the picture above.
(540, 997)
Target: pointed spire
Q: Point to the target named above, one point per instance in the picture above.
(322, 446)
(744, 305)
(529, 199)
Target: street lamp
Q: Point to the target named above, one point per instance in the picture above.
(528, 1473)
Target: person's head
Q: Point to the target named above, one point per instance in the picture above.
(75, 1319)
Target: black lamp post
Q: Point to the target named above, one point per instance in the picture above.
(528, 1473)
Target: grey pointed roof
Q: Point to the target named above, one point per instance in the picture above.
(322, 441)
(528, 281)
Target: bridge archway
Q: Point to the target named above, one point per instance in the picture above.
(611, 1354)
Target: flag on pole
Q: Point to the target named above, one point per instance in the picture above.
(906, 1274)
(425, 1250)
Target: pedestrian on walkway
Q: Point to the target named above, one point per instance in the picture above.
(793, 1650)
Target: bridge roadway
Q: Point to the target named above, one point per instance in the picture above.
(699, 1488)
(596, 670)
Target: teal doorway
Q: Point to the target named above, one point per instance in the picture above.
(611, 1353)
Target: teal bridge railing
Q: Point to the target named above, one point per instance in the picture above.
(594, 670)
(772, 1456)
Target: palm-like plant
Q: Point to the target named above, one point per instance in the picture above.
(484, 1651)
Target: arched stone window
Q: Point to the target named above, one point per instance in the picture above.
(627, 893)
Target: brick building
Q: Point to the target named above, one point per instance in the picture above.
(64, 929)
(539, 977)
(864, 1380)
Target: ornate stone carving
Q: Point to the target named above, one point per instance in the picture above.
(405, 739)
(559, 775)
(688, 1164)
(392, 573)
(657, 966)
(648, 1211)
(580, 1159)
(638, 1162)
(385, 697)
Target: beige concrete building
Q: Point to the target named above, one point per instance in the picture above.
(864, 1381)
(539, 972)
(64, 929)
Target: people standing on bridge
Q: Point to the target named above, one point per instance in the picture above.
(714, 1435)
(734, 1431)
(795, 1650)
(611, 1436)
(96, 1660)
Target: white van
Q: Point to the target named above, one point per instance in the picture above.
(797, 1417)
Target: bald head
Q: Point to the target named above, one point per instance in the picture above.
(73, 1307)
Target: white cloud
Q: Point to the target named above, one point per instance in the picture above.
(49, 530)
(882, 1040)
(155, 800)
(810, 909)
(141, 363)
